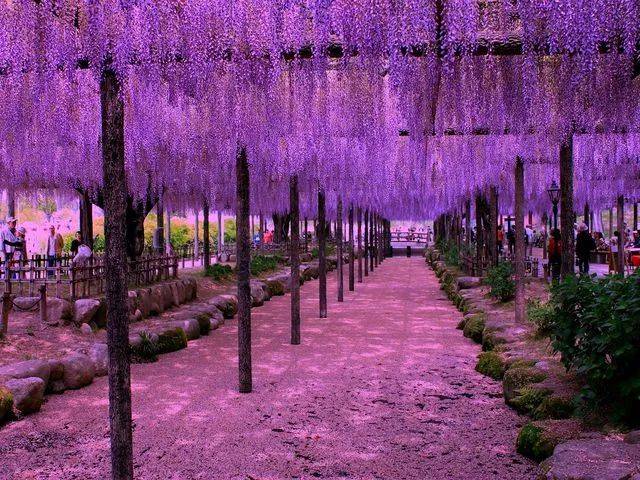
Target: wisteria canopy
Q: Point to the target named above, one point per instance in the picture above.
(405, 106)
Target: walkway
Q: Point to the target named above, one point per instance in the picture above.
(383, 389)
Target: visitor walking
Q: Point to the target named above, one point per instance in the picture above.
(511, 239)
(555, 254)
(9, 240)
(55, 244)
(75, 243)
(500, 239)
(585, 244)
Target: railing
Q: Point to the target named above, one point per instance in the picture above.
(64, 279)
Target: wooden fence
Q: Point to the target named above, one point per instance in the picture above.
(64, 279)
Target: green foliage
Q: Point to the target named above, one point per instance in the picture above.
(146, 351)
(219, 272)
(541, 315)
(6, 404)
(98, 244)
(533, 444)
(500, 280)
(596, 329)
(474, 326)
(204, 322)
(491, 364)
(229, 231)
(264, 263)
(330, 249)
(554, 407)
(529, 398)
(68, 238)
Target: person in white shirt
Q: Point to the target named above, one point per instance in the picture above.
(9, 240)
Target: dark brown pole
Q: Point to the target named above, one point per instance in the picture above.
(366, 243)
(115, 206)
(340, 253)
(306, 235)
(467, 224)
(322, 254)
(479, 233)
(352, 258)
(86, 219)
(295, 259)
(160, 224)
(586, 215)
(243, 262)
(492, 240)
(372, 249)
(635, 216)
(11, 202)
(520, 300)
(621, 235)
(359, 245)
(566, 208)
(206, 240)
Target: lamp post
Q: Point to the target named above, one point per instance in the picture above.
(554, 196)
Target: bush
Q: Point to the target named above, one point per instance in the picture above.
(172, 340)
(146, 351)
(500, 280)
(264, 263)
(596, 329)
(219, 272)
(541, 315)
(330, 249)
(491, 364)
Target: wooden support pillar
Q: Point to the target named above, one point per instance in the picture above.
(196, 236)
(566, 208)
(352, 265)
(306, 235)
(294, 208)
(11, 202)
(116, 287)
(206, 240)
(339, 252)
(610, 223)
(167, 242)
(160, 226)
(380, 244)
(371, 241)
(86, 219)
(322, 254)
(492, 240)
(620, 261)
(635, 216)
(366, 243)
(520, 301)
(360, 245)
(586, 215)
(479, 234)
(220, 234)
(243, 262)
(545, 235)
(467, 224)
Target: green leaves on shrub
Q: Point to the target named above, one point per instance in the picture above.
(146, 351)
(596, 329)
(264, 263)
(541, 315)
(500, 280)
(219, 272)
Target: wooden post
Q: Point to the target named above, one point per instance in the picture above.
(479, 234)
(520, 301)
(160, 225)
(322, 254)
(359, 220)
(467, 224)
(43, 302)
(306, 235)
(86, 219)
(196, 237)
(206, 238)
(372, 250)
(586, 215)
(366, 243)
(352, 258)
(566, 208)
(243, 261)
(220, 235)
(115, 265)
(635, 216)
(492, 240)
(610, 223)
(545, 235)
(7, 302)
(621, 236)
(11, 202)
(294, 207)
(340, 253)
(167, 232)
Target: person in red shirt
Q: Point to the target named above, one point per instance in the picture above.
(500, 238)
(555, 254)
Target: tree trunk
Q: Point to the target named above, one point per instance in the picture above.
(280, 227)
(372, 249)
(340, 253)
(243, 261)
(86, 219)
(220, 234)
(467, 225)
(295, 259)
(11, 202)
(322, 254)
(621, 235)
(168, 247)
(196, 236)
(160, 225)
(492, 240)
(366, 243)
(206, 240)
(352, 258)
(566, 208)
(306, 235)
(479, 234)
(520, 246)
(586, 215)
(635, 216)
(116, 288)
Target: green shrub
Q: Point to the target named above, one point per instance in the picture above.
(264, 263)
(533, 443)
(172, 340)
(500, 280)
(219, 272)
(596, 329)
(528, 398)
(6, 404)
(330, 250)
(554, 407)
(541, 315)
(204, 322)
(491, 364)
(146, 351)
(474, 326)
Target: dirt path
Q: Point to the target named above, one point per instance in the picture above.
(382, 389)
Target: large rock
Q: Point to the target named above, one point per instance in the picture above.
(148, 302)
(132, 301)
(227, 304)
(592, 459)
(171, 339)
(276, 287)
(257, 294)
(191, 289)
(537, 440)
(191, 327)
(6, 404)
(99, 354)
(58, 310)
(284, 279)
(310, 272)
(28, 393)
(85, 309)
(157, 293)
(175, 295)
(26, 369)
(469, 282)
(56, 384)
(79, 371)
(167, 296)
(27, 303)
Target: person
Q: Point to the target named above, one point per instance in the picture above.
(601, 243)
(500, 239)
(20, 253)
(10, 240)
(636, 241)
(268, 237)
(528, 240)
(555, 254)
(75, 243)
(585, 244)
(511, 239)
(256, 239)
(55, 244)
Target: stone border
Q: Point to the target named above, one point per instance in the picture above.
(23, 385)
(553, 437)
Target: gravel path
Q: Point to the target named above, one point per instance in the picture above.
(385, 388)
